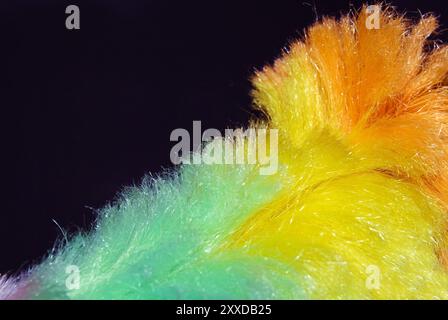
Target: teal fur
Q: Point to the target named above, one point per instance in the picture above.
(158, 241)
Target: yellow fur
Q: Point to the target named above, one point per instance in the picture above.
(362, 118)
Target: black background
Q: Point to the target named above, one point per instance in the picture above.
(86, 112)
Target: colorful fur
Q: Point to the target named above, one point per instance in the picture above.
(362, 117)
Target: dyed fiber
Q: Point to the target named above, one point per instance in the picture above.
(362, 185)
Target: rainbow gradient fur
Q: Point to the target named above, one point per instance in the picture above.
(362, 117)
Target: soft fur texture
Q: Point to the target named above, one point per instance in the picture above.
(362, 182)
